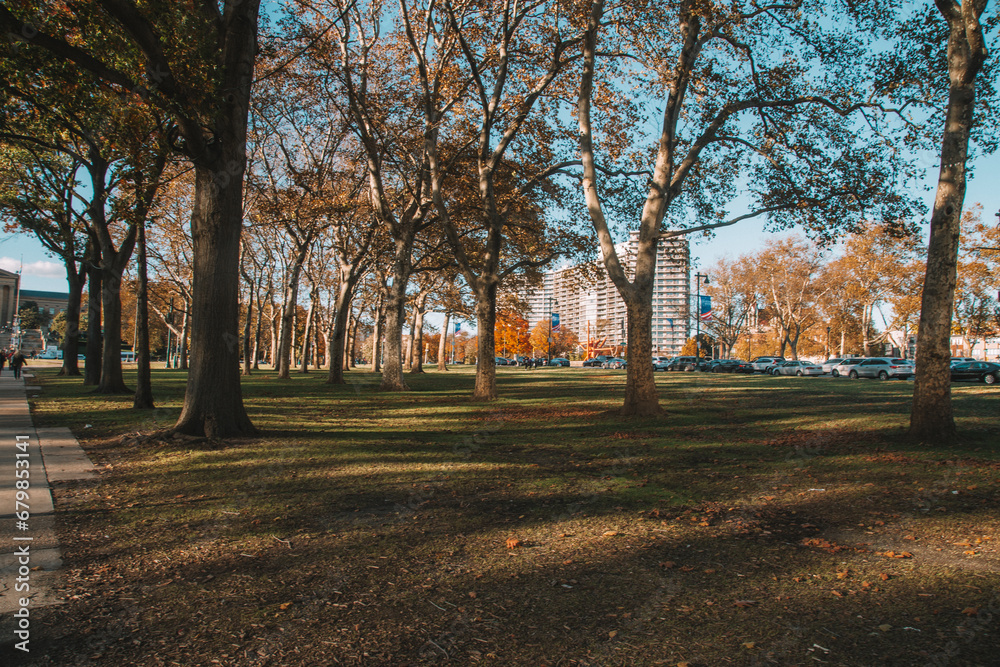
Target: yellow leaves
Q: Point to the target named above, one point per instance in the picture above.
(897, 554)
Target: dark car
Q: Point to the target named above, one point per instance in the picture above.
(744, 367)
(559, 361)
(976, 371)
(687, 364)
(724, 365)
(597, 361)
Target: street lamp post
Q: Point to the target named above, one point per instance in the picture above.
(548, 352)
(697, 314)
(828, 342)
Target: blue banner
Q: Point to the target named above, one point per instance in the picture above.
(705, 309)
(555, 322)
(458, 327)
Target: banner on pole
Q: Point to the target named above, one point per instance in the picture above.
(705, 310)
(555, 322)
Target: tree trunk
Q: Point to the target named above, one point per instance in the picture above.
(417, 344)
(112, 381)
(486, 363)
(289, 311)
(144, 378)
(258, 327)
(247, 324)
(931, 419)
(353, 354)
(443, 344)
(307, 333)
(182, 347)
(71, 341)
(395, 316)
(377, 337)
(411, 344)
(338, 336)
(641, 397)
(92, 364)
(213, 402)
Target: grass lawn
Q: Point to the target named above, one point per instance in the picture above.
(760, 521)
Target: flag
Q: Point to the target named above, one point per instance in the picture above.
(705, 310)
(458, 327)
(555, 323)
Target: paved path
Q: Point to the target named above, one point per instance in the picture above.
(51, 455)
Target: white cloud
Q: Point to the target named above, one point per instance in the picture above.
(40, 269)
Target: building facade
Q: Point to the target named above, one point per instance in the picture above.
(9, 284)
(594, 307)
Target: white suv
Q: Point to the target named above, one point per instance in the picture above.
(882, 368)
(762, 364)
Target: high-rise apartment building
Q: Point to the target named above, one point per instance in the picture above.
(583, 303)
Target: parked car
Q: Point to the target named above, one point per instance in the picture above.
(798, 368)
(687, 364)
(660, 363)
(50, 353)
(615, 362)
(597, 361)
(502, 361)
(559, 361)
(882, 368)
(977, 371)
(961, 360)
(724, 365)
(763, 364)
(830, 364)
(845, 366)
(744, 367)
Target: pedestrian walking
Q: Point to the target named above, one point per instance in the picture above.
(3, 360)
(16, 362)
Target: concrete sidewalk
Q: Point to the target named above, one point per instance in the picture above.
(48, 455)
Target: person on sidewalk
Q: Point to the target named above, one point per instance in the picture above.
(3, 360)
(16, 361)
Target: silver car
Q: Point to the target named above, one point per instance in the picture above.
(882, 368)
(844, 367)
(798, 368)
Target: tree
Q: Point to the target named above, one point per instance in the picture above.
(757, 98)
(202, 82)
(791, 279)
(932, 418)
(872, 267)
(976, 304)
(734, 301)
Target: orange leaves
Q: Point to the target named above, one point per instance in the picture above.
(743, 604)
(897, 554)
(514, 543)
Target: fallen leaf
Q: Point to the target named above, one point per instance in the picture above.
(866, 584)
(668, 564)
(284, 605)
(743, 604)
(710, 571)
(611, 533)
(514, 543)
(843, 574)
(898, 554)
(970, 552)
(472, 594)
(971, 611)
(749, 644)
(885, 627)
(963, 543)
(612, 634)
(884, 576)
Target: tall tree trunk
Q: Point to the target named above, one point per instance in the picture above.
(338, 335)
(377, 336)
(641, 397)
(352, 355)
(412, 342)
(144, 378)
(395, 306)
(442, 344)
(255, 352)
(182, 347)
(289, 312)
(486, 363)
(75, 278)
(417, 348)
(92, 364)
(213, 402)
(932, 419)
(112, 381)
(307, 333)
